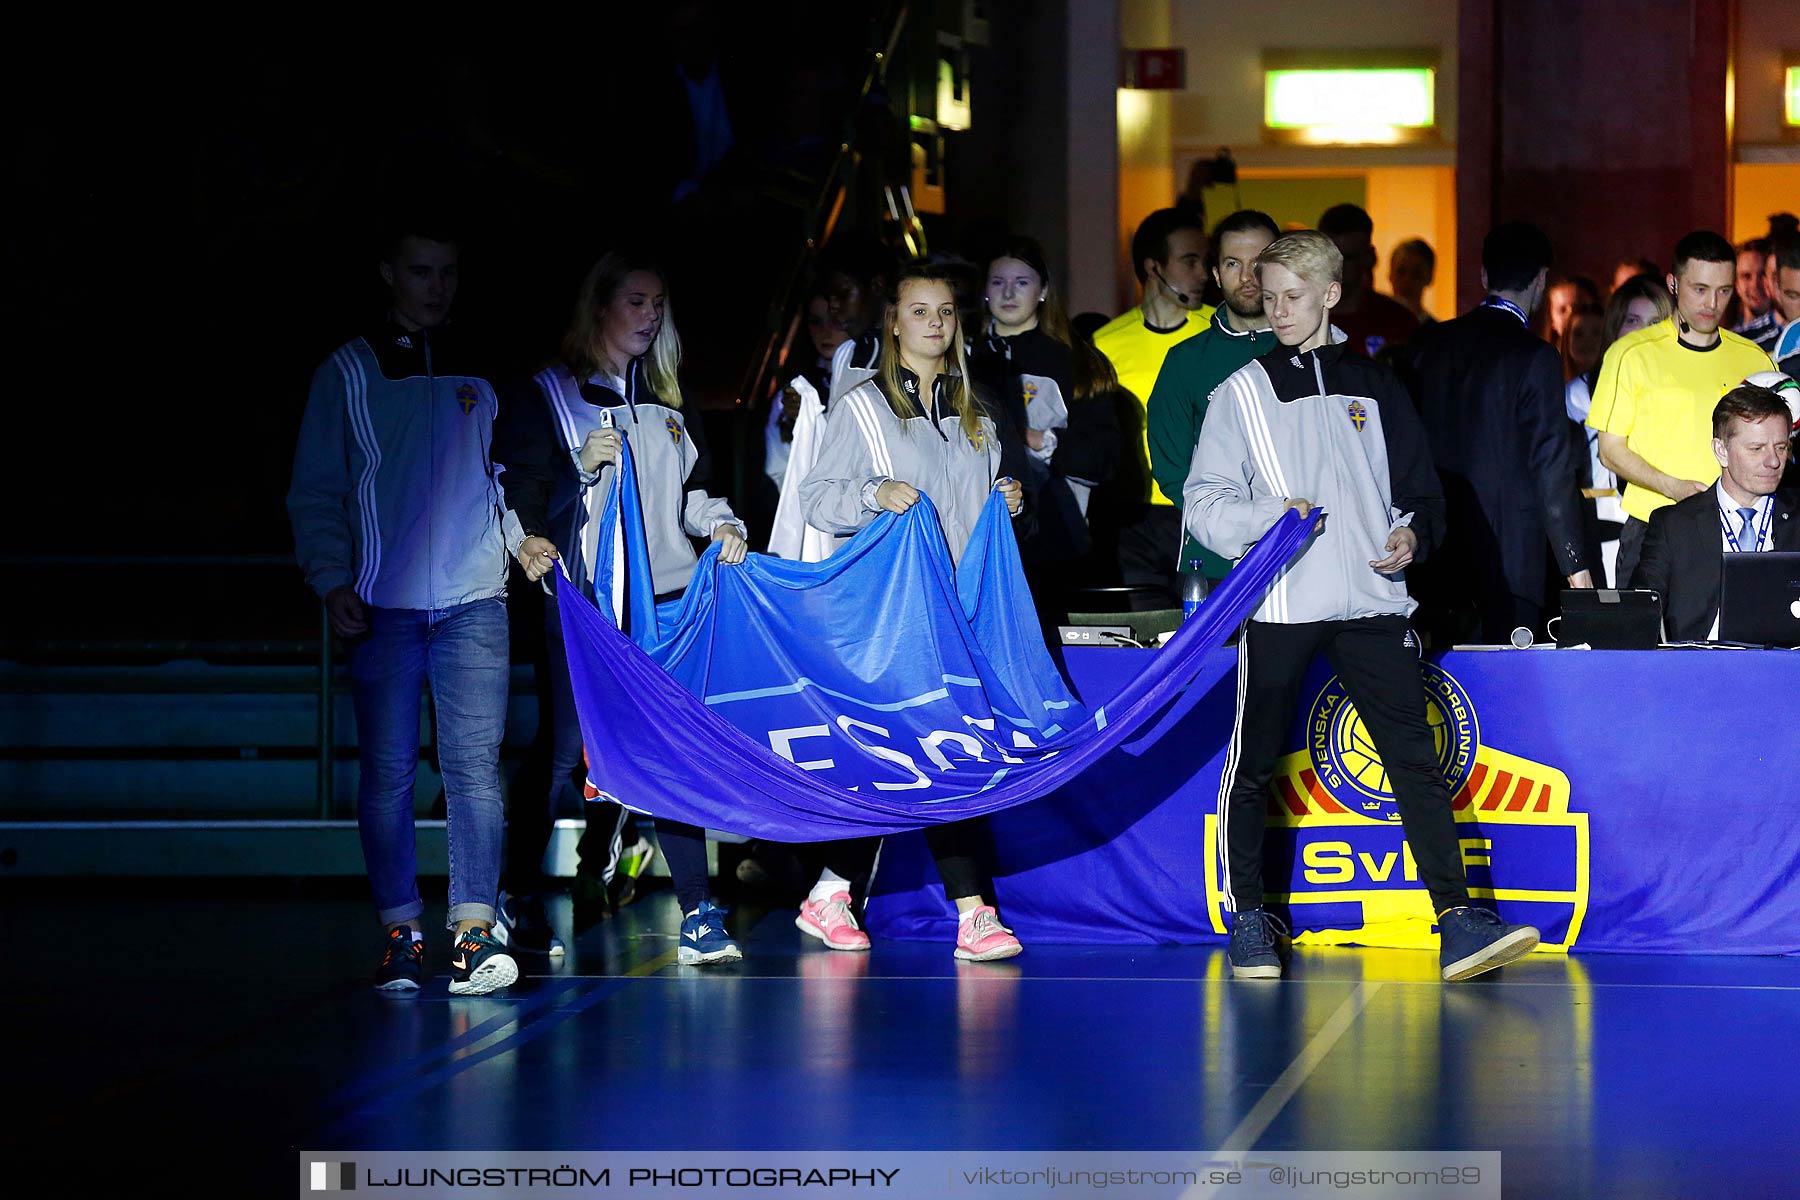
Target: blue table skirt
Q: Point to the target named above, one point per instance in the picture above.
(1619, 800)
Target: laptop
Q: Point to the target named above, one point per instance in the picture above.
(1610, 619)
(1759, 599)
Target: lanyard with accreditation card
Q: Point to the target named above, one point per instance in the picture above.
(1762, 529)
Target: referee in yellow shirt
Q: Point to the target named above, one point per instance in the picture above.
(1168, 252)
(1658, 386)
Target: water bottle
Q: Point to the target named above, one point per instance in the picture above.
(1193, 589)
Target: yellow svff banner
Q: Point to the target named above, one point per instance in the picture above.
(1336, 855)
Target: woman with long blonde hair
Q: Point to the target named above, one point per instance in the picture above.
(914, 425)
(617, 380)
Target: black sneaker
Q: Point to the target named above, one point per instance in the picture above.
(1473, 940)
(523, 925)
(480, 964)
(1256, 945)
(402, 962)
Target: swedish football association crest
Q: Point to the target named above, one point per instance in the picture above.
(1359, 416)
(467, 397)
(674, 428)
(978, 439)
(1334, 829)
(1029, 388)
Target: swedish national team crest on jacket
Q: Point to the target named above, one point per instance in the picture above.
(467, 397)
(1333, 817)
(674, 428)
(1359, 416)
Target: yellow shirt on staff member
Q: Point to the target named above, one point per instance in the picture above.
(1136, 352)
(1658, 393)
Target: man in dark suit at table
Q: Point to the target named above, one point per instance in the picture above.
(1745, 512)
(1490, 393)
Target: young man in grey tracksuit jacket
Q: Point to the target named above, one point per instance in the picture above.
(399, 527)
(1308, 426)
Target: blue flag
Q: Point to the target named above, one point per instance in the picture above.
(880, 690)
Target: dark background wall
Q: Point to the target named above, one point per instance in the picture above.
(195, 225)
(1603, 120)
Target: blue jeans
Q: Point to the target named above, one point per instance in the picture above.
(462, 653)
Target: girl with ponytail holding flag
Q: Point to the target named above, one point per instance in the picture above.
(914, 425)
(617, 380)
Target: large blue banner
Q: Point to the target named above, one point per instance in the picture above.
(880, 690)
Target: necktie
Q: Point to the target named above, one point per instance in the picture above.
(1746, 537)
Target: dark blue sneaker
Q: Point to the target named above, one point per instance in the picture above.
(1256, 938)
(479, 964)
(703, 938)
(1473, 940)
(522, 925)
(401, 961)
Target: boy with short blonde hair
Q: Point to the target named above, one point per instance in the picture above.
(1310, 427)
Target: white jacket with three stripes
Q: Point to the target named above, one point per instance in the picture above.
(1340, 431)
(865, 443)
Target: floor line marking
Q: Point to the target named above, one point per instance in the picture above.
(1187, 980)
(642, 970)
(1257, 1121)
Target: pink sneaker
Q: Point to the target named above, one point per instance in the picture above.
(831, 921)
(981, 937)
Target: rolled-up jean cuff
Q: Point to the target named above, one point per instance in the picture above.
(469, 912)
(406, 912)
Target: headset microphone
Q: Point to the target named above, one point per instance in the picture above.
(1175, 291)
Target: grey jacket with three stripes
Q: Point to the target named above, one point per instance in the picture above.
(865, 443)
(1332, 428)
(394, 491)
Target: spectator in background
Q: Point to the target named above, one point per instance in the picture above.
(854, 271)
(1168, 252)
(1583, 341)
(1411, 269)
(398, 527)
(706, 134)
(1025, 359)
(1638, 303)
(1239, 332)
(1744, 513)
(1490, 395)
(1372, 322)
(809, 382)
(1629, 267)
(1784, 263)
(1757, 320)
(1567, 293)
(1781, 227)
(1654, 399)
